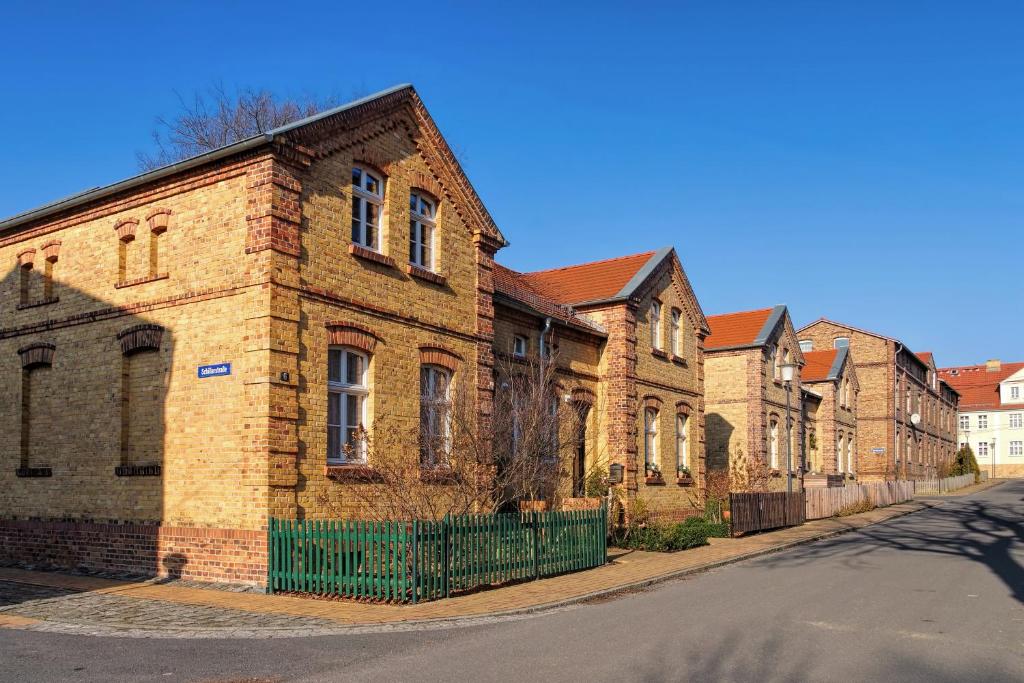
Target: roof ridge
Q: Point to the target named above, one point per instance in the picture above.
(591, 263)
(753, 310)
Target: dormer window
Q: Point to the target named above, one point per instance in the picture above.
(422, 210)
(367, 206)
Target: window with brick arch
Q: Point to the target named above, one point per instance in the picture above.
(675, 343)
(367, 207)
(682, 455)
(840, 450)
(650, 439)
(347, 393)
(773, 443)
(422, 212)
(435, 415)
(656, 324)
(849, 453)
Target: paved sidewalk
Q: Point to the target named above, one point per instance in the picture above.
(96, 606)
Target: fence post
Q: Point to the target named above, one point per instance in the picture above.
(536, 545)
(415, 563)
(446, 538)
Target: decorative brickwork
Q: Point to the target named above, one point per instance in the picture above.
(26, 258)
(435, 355)
(141, 337)
(125, 229)
(36, 354)
(158, 220)
(350, 334)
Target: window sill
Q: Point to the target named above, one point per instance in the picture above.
(657, 480)
(679, 360)
(37, 304)
(362, 252)
(659, 353)
(684, 481)
(138, 470)
(141, 280)
(354, 473)
(32, 472)
(424, 274)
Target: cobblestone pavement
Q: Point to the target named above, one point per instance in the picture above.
(98, 606)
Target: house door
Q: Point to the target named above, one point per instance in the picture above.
(579, 459)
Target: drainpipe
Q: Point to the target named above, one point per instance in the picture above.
(896, 401)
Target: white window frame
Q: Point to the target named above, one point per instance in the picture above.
(435, 448)
(682, 446)
(422, 230)
(650, 437)
(806, 345)
(1016, 420)
(1016, 448)
(656, 324)
(773, 443)
(365, 233)
(840, 451)
(849, 453)
(965, 422)
(344, 389)
(983, 449)
(844, 345)
(519, 346)
(675, 317)
(983, 421)
(1014, 393)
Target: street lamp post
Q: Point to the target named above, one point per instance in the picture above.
(788, 370)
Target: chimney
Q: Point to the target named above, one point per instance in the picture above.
(993, 365)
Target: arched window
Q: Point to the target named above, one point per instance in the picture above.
(650, 438)
(422, 211)
(849, 454)
(675, 345)
(773, 352)
(656, 324)
(682, 456)
(348, 391)
(367, 206)
(773, 443)
(435, 415)
(839, 453)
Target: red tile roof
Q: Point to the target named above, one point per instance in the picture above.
(515, 286)
(926, 357)
(586, 282)
(979, 388)
(735, 329)
(818, 365)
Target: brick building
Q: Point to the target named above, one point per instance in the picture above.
(191, 350)
(829, 381)
(747, 402)
(906, 415)
(991, 414)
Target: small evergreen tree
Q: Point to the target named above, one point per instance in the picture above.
(965, 463)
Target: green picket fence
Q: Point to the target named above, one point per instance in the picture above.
(424, 560)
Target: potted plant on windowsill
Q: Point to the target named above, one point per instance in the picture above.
(654, 474)
(683, 476)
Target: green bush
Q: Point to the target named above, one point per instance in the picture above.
(965, 463)
(656, 537)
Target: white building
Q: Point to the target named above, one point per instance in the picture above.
(992, 414)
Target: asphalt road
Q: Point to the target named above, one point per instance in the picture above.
(934, 596)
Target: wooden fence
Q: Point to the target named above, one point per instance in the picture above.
(929, 486)
(426, 560)
(826, 502)
(761, 511)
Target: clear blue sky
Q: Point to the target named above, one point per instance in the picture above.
(862, 160)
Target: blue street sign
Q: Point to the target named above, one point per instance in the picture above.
(217, 370)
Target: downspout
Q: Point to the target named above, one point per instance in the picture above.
(896, 398)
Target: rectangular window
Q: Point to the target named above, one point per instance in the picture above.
(965, 422)
(519, 346)
(367, 204)
(650, 439)
(841, 342)
(347, 391)
(1017, 448)
(1016, 420)
(806, 345)
(421, 230)
(773, 444)
(656, 324)
(435, 415)
(674, 344)
(1014, 393)
(682, 460)
(983, 421)
(983, 449)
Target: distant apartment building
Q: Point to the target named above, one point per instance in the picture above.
(906, 414)
(991, 414)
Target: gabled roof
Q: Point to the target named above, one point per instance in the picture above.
(978, 387)
(926, 357)
(403, 93)
(515, 288)
(743, 329)
(596, 282)
(823, 366)
(919, 357)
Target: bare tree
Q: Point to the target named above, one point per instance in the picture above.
(422, 472)
(210, 120)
